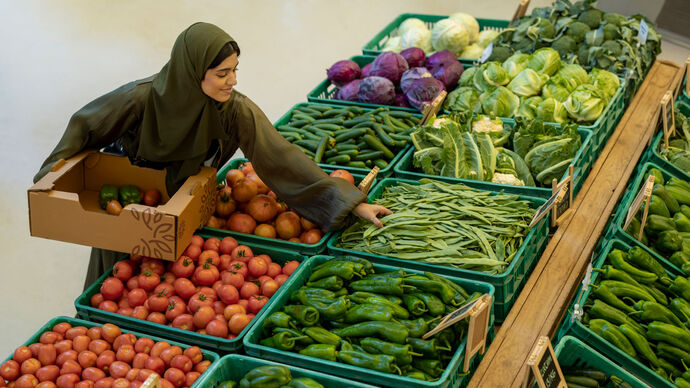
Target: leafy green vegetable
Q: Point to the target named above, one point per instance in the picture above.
(577, 31)
(557, 88)
(678, 152)
(605, 81)
(552, 110)
(515, 64)
(489, 76)
(527, 83)
(500, 102)
(467, 77)
(464, 99)
(545, 61)
(528, 108)
(585, 103)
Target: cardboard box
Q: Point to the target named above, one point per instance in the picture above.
(64, 206)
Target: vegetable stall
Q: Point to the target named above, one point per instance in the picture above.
(262, 296)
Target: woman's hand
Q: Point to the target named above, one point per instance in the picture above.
(371, 212)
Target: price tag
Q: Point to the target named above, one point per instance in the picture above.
(546, 207)
(153, 381)
(642, 34)
(365, 185)
(479, 311)
(431, 109)
(668, 120)
(486, 53)
(520, 11)
(544, 366)
(564, 199)
(644, 194)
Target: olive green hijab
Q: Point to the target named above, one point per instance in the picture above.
(179, 120)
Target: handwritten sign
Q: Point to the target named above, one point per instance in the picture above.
(486, 53)
(544, 365)
(431, 109)
(644, 194)
(546, 207)
(520, 11)
(365, 185)
(642, 33)
(564, 199)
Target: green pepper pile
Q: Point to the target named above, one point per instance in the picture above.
(678, 150)
(667, 231)
(591, 378)
(636, 306)
(349, 136)
(125, 195)
(348, 313)
(271, 376)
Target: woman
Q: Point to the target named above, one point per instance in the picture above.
(187, 115)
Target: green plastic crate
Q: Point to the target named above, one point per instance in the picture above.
(235, 366)
(307, 249)
(451, 377)
(579, 330)
(627, 201)
(572, 352)
(221, 345)
(507, 285)
(583, 162)
(652, 154)
(208, 355)
(383, 173)
(373, 47)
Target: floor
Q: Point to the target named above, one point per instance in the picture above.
(57, 56)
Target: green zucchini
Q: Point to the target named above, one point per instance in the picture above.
(376, 144)
(338, 159)
(350, 134)
(320, 149)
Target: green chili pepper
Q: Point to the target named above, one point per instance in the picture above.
(345, 269)
(402, 353)
(433, 368)
(392, 331)
(458, 288)
(600, 309)
(329, 309)
(671, 369)
(129, 194)
(416, 374)
(323, 351)
(369, 312)
(618, 382)
(432, 302)
(414, 305)
(280, 341)
(305, 315)
(304, 382)
(417, 327)
(580, 381)
(108, 193)
(321, 335)
(379, 362)
(444, 291)
(392, 286)
(605, 294)
(610, 332)
(621, 289)
(386, 275)
(266, 376)
(658, 295)
(333, 283)
(680, 258)
(428, 348)
(640, 343)
(681, 308)
(617, 258)
(673, 353)
(681, 287)
(652, 311)
(681, 382)
(640, 258)
(368, 267)
(362, 297)
(300, 338)
(595, 374)
(306, 292)
(279, 319)
(662, 331)
(612, 273)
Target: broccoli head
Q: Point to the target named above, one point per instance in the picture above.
(500, 54)
(614, 18)
(612, 47)
(577, 31)
(591, 17)
(611, 31)
(564, 45)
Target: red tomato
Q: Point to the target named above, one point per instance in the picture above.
(81, 343)
(262, 279)
(184, 322)
(212, 243)
(203, 316)
(198, 300)
(26, 381)
(62, 327)
(249, 289)
(158, 348)
(257, 267)
(274, 270)
(155, 364)
(175, 376)
(153, 265)
(209, 256)
(63, 346)
(191, 377)
(34, 349)
(95, 332)
(280, 279)
(183, 267)
(239, 267)
(21, 354)
(159, 302)
(70, 366)
(124, 339)
(149, 280)
(238, 322)
(112, 288)
(121, 382)
(197, 240)
(232, 278)
(143, 345)
(227, 244)
(125, 353)
(290, 267)
(10, 370)
(67, 380)
(184, 288)
(136, 297)
(105, 359)
(242, 253)
(108, 305)
(156, 317)
(152, 197)
(123, 270)
(68, 355)
(104, 383)
(217, 328)
(344, 174)
(209, 292)
(168, 277)
(48, 373)
(256, 303)
(269, 288)
(168, 354)
(88, 358)
(176, 307)
(50, 337)
(92, 374)
(244, 303)
(228, 294)
(206, 274)
(193, 252)
(133, 282)
(202, 366)
(47, 354)
(139, 361)
(98, 346)
(110, 332)
(225, 262)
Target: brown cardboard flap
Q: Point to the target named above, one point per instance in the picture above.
(60, 168)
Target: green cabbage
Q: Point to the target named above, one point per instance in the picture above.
(463, 99)
(585, 103)
(489, 76)
(469, 22)
(467, 77)
(556, 89)
(527, 83)
(574, 74)
(552, 110)
(393, 44)
(500, 102)
(545, 61)
(515, 64)
(528, 108)
(473, 51)
(448, 34)
(486, 36)
(607, 82)
(416, 37)
(409, 24)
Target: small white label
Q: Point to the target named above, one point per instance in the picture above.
(588, 276)
(486, 53)
(642, 34)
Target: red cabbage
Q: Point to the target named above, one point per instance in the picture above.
(365, 70)
(401, 101)
(449, 73)
(376, 90)
(438, 58)
(412, 75)
(414, 56)
(349, 91)
(423, 91)
(343, 72)
(389, 65)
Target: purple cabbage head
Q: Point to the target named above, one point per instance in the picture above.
(343, 72)
(438, 58)
(414, 56)
(376, 90)
(389, 65)
(401, 101)
(423, 91)
(412, 75)
(349, 91)
(449, 73)
(365, 70)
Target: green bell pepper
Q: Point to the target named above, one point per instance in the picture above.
(679, 193)
(129, 194)
(670, 202)
(658, 224)
(680, 258)
(685, 209)
(108, 193)
(323, 351)
(681, 382)
(266, 376)
(658, 175)
(279, 319)
(682, 222)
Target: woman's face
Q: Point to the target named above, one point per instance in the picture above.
(219, 81)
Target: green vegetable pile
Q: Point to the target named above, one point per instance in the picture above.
(591, 377)
(678, 151)
(348, 136)
(638, 308)
(584, 35)
(271, 376)
(489, 150)
(126, 195)
(349, 313)
(447, 224)
(667, 230)
(534, 86)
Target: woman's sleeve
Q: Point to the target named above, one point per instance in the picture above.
(294, 177)
(96, 125)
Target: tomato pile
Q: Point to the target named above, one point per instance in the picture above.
(216, 287)
(246, 205)
(99, 357)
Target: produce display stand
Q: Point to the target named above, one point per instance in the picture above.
(208, 355)
(543, 302)
(223, 345)
(234, 366)
(452, 376)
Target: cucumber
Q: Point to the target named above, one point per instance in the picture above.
(397, 136)
(381, 163)
(307, 144)
(362, 145)
(311, 136)
(288, 128)
(364, 124)
(383, 136)
(318, 131)
(293, 135)
(307, 111)
(399, 123)
(368, 156)
(338, 159)
(302, 116)
(355, 109)
(306, 151)
(320, 149)
(326, 126)
(350, 134)
(336, 112)
(357, 120)
(336, 120)
(344, 147)
(356, 164)
(299, 123)
(320, 108)
(399, 114)
(334, 152)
